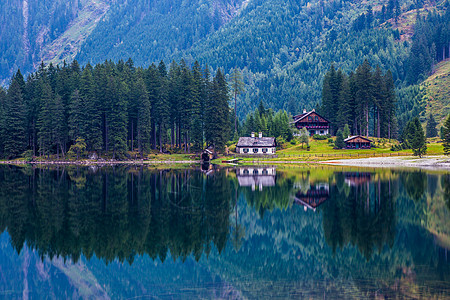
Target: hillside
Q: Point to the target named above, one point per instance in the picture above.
(283, 48)
(32, 31)
(437, 95)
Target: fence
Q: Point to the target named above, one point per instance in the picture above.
(319, 156)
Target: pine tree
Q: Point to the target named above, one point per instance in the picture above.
(2, 120)
(15, 120)
(143, 117)
(91, 130)
(339, 142)
(446, 136)
(346, 132)
(417, 139)
(117, 117)
(216, 129)
(197, 113)
(45, 120)
(431, 127)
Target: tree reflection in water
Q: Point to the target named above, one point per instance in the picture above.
(115, 212)
(363, 224)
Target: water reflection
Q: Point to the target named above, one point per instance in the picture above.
(366, 232)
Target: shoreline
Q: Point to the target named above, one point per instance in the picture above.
(427, 162)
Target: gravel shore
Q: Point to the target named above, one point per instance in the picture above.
(428, 162)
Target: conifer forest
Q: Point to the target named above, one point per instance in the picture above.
(112, 108)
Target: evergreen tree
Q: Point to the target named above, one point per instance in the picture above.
(446, 136)
(45, 120)
(431, 127)
(339, 142)
(217, 113)
(417, 139)
(346, 132)
(143, 117)
(15, 119)
(2, 120)
(117, 118)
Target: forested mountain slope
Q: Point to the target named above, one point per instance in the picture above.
(283, 48)
(47, 30)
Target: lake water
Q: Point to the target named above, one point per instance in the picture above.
(265, 232)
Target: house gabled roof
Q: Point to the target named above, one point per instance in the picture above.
(256, 142)
(357, 136)
(302, 116)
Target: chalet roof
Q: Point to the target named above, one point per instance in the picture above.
(256, 142)
(357, 136)
(302, 116)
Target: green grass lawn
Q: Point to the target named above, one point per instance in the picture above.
(322, 150)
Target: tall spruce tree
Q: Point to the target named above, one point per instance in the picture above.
(446, 136)
(417, 139)
(45, 120)
(143, 117)
(15, 137)
(216, 129)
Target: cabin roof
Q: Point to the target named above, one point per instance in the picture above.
(357, 136)
(256, 142)
(302, 116)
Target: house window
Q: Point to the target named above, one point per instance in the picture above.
(316, 118)
(255, 172)
(265, 172)
(321, 132)
(245, 150)
(255, 150)
(264, 150)
(309, 118)
(246, 172)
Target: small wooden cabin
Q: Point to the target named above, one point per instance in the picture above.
(357, 142)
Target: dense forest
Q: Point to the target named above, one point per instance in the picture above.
(364, 99)
(114, 108)
(282, 48)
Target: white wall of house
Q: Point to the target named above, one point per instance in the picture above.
(249, 150)
(319, 131)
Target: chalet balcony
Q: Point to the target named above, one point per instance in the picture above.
(299, 126)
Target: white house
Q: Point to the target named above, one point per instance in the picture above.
(256, 145)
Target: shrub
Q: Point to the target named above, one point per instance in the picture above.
(319, 137)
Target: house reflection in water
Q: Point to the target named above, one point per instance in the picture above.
(316, 195)
(256, 176)
(357, 178)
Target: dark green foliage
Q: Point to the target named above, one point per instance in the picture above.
(414, 137)
(430, 45)
(339, 142)
(364, 101)
(114, 108)
(217, 113)
(431, 127)
(269, 123)
(446, 136)
(15, 112)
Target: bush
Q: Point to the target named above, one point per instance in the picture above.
(330, 141)
(28, 155)
(319, 137)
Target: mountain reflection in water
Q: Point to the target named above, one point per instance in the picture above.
(252, 232)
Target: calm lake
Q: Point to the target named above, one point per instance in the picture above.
(245, 232)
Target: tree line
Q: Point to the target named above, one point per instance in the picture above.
(112, 108)
(365, 100)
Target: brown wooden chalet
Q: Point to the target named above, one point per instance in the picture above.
(315, 123)
(357, 142)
